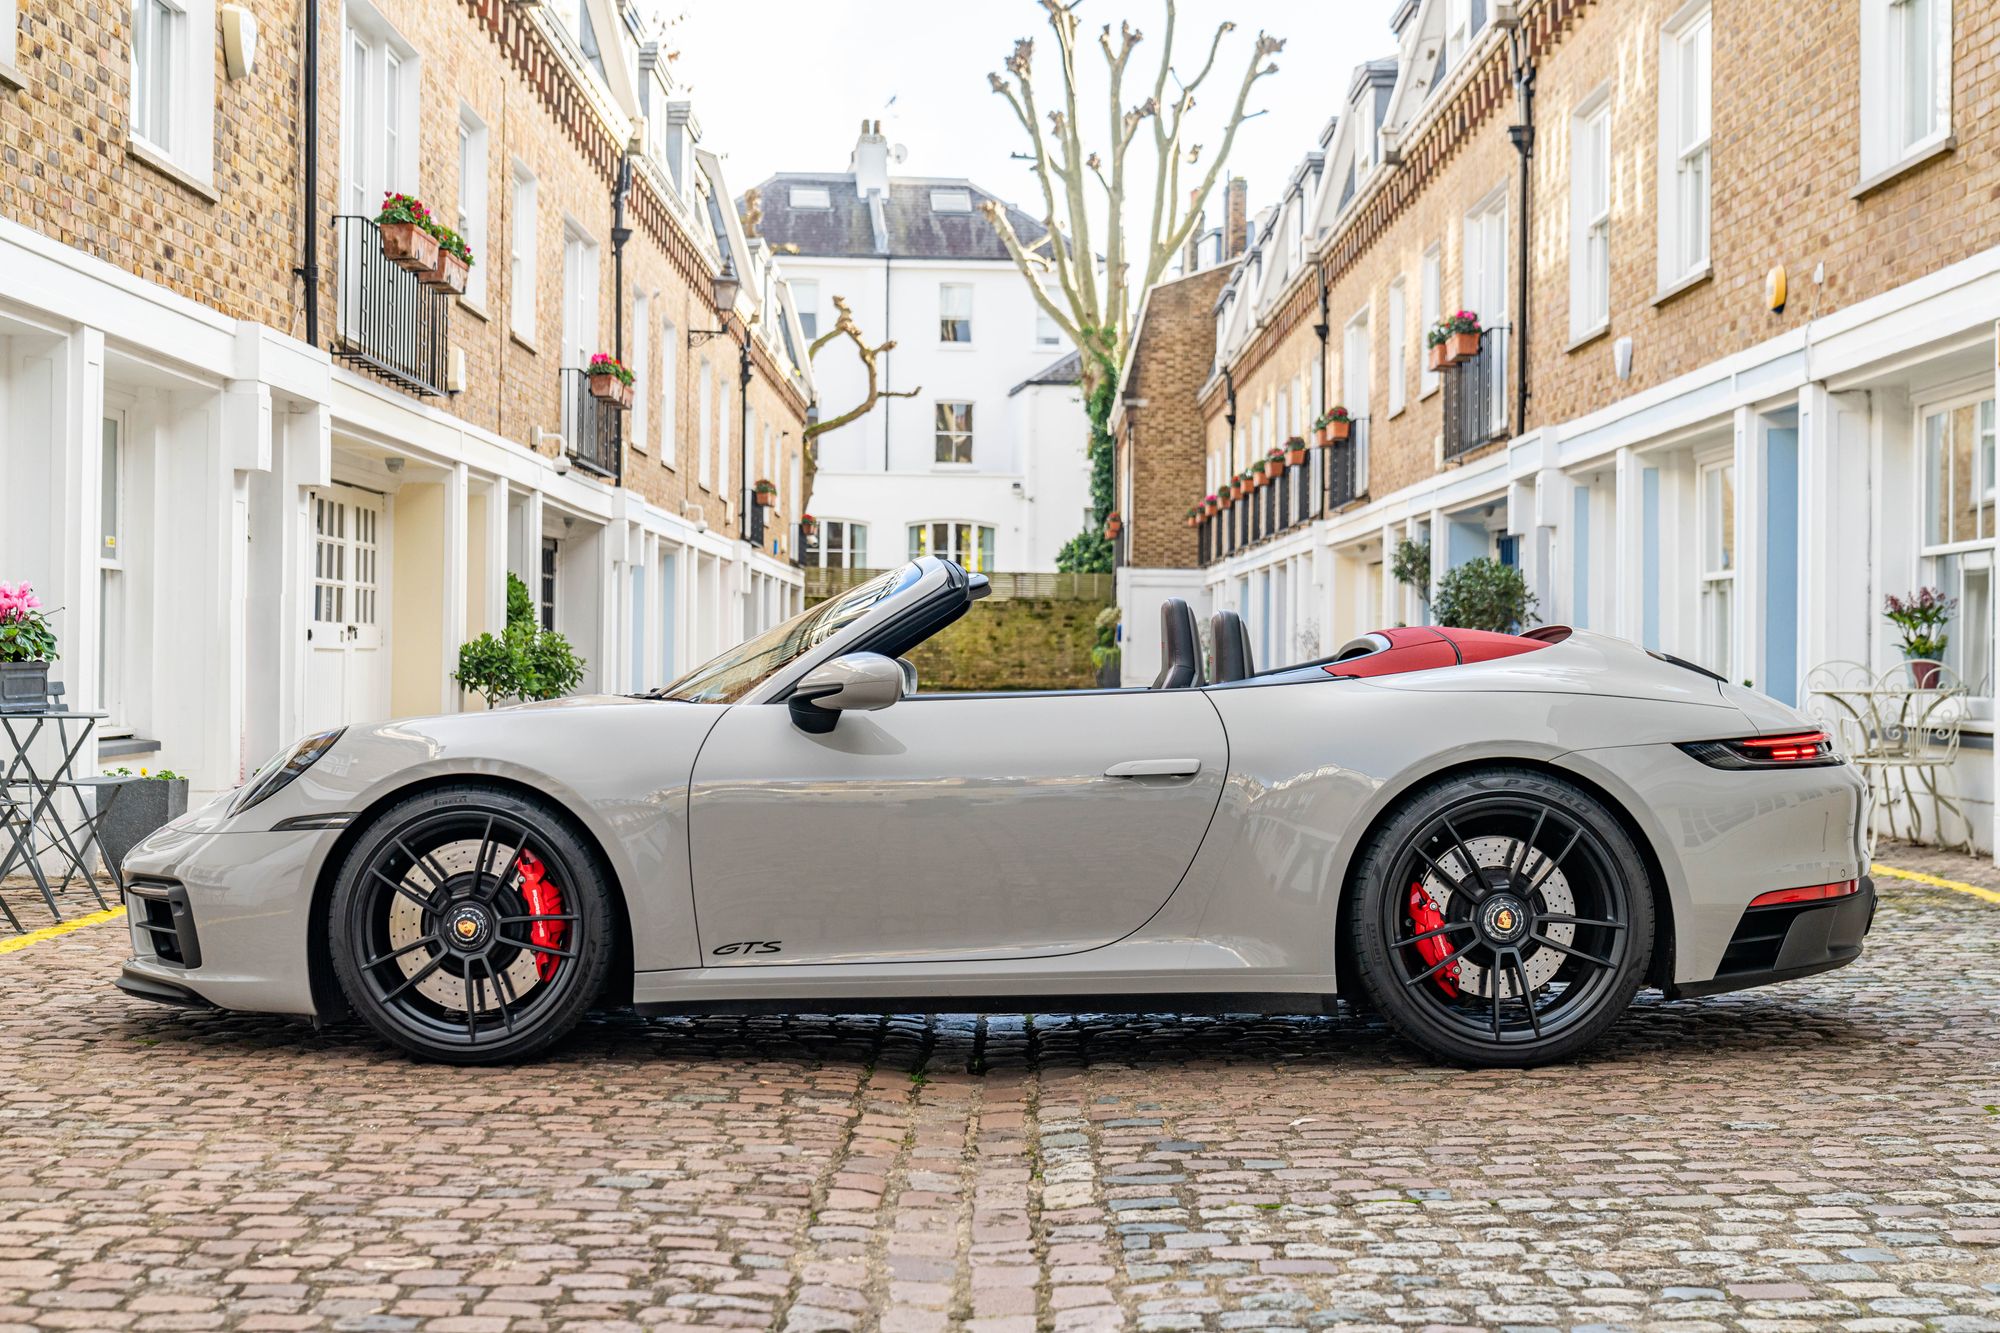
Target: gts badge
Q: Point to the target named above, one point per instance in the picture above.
(742, 947)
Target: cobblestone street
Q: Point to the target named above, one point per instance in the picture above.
(1819, 1155)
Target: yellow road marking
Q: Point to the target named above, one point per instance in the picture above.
(1919, 877)
(20, 942)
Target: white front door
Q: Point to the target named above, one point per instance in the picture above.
(348, 671)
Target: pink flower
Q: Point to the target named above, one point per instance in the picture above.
(17, 600)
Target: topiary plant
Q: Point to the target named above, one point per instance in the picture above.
(1411, 567)
(1484, 594)
(523, 661)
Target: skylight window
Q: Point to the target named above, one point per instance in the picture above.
(811, 196)
(951, 201)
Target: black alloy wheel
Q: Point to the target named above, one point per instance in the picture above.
(470, 926)
(1501, 918)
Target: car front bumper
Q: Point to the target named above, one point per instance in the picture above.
(1783, 943)
(223, 919)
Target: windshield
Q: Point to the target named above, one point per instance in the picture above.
(746, 666)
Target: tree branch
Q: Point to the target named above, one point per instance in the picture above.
(844, 326)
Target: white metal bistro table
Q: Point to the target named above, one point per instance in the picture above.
(34, 821)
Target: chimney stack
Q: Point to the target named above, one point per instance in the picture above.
(870, 163)
(1236, 217)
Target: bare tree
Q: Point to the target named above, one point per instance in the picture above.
(1094, 305)
(871, 357)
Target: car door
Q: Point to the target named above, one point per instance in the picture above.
(949, 827)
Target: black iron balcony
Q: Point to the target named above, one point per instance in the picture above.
(593, 429)
(1347, 466)
(389, 321)
(1475, 406)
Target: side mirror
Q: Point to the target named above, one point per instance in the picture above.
(862, 681)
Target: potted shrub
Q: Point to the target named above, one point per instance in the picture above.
(1295, 451)
(1461, 336)
(1339, 425)
(409, 237)
(453, 265)
(27, 646)
(135, 807)
(1113, 525)
(1922, 617)
(765, 493)
(1484, 594)
(524, 661)
(610, 381)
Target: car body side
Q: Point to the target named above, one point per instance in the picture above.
(1314, 763)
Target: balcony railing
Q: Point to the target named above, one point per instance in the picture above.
(592, 428)
(1296, 496)
(389, 321)
(1475, 397)
(1347, 467)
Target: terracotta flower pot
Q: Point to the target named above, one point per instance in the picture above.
(1274, 468)
(605, 388)
(1462, 346)
(764, 499)
(409, 246)
(1439, 357)
(1319, 436)
(1340, 430)
(1295, 457)
(449, 275)
(1112, 527)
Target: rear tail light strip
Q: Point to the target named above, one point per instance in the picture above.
(1800, 749)
(1811, 893)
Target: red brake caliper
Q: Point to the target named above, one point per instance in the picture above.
(1437, 948)
(544, 899)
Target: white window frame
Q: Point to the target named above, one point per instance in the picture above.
(1590, 216)
(958, 438)
(1686, 165)
(381, 76)
(113, 549)
(973, 561)
(805, 301)
(1973, 553)
(641, 354)
(10, 37)
(1715, 585)
(948, 312)
(1906, 70)
(810, 197)
(472, 212)
(670, 393)
(1399, 337)
(1431, 310)
(704, 473)
(1483, 265)
(581, 329)
(185, 142)
(521, 258)
(951, 201)
(853, 554)
(1045, 323)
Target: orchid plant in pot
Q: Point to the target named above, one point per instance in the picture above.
(1922, 617)
(27, 646)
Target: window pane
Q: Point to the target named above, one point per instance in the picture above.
(1719, 519)
(108, 507)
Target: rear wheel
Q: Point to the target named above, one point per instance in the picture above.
(1501, 917)
(470, 925)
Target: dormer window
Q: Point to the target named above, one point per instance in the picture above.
(1463, 20)
(951, 201)
(1364, 131)
(811, 196)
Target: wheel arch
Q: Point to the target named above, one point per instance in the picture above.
(326, 993)
(1659, 968)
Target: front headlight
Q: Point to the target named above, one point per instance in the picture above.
(274, 773)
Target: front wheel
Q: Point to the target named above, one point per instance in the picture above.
(471, 926)
(1501, 918)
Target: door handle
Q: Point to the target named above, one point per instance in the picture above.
(1154, 768)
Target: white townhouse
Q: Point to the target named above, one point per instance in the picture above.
(987, 463)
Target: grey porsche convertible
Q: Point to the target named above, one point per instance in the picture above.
(1493, 840)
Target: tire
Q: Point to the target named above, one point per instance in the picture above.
(442, 930)
(1527, 959)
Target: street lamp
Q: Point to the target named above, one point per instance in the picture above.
(727, 288)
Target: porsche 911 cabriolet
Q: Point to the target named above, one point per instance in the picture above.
(1493, 840)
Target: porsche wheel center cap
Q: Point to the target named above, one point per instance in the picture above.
(1503, 919)
(467, 926)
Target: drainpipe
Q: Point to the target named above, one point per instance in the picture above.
(1522, 132)
(746, 502)
(1323, 328)
(308, 269)
(620, 234)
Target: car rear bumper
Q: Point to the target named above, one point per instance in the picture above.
(1784, 943)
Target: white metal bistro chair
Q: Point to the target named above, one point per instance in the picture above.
(1904, 737)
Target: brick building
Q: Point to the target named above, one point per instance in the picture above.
(1738, 371)
(273, 480)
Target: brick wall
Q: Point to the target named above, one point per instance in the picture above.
(1161, 444)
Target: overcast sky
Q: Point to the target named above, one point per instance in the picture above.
(783, 85)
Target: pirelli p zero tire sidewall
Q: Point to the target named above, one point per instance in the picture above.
(1386, 973)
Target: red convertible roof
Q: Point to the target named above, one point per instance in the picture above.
(1424, 647)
